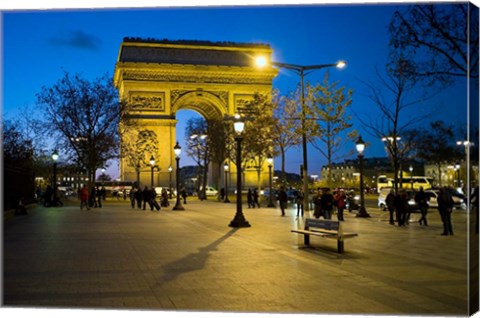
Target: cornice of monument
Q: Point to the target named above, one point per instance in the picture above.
(192, 73)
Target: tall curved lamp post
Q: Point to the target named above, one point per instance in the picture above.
(178, 150)
(270, 190)
(411, 176)
(55, 158)
(152, 164)
(225, 168)
(301, 70)
(170, 169)
(239, 219)
(457, 170)
(362, 212)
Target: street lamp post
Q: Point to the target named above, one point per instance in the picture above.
(457, 171)
(362, 212)
(239, 219)
(411, 176)
(225, 168)
(152, 164)
(302, 70)
(270, 190)
(170, 169)
(177, 150)
(55, 158)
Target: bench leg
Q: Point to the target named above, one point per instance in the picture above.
(306, 239)
(340, 246)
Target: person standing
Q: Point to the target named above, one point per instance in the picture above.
(282, 200)
(421, 198)
(255, 198)
(445, 205)
(299, 202)
(147, 197)
(474, 202)
(99, 195)
(327, 204)
(222, 194)
(133, 194)
(401, 207)
(183, 193)
(250, 199)
(317, 203)
(390, 202)
(84, 198)
(92, 199)
(340, 203)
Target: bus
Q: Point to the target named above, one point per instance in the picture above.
(414, 182)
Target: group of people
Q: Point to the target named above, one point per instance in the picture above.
(91, 198)
(325, 203)
(252, 198)
(398, 205)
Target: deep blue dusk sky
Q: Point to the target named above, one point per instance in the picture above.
(39, 45)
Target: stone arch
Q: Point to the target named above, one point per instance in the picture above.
(158, 78)
(207, 104)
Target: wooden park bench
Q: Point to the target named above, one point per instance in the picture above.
(325, 228)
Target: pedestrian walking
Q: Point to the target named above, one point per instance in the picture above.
(132, 196)
(317, 204)
(183, 192)
(390, 202)
(164, 198)
(299, 201)
(340, 203)
(282, 200)
(421, 198)
(222, 194)
(327, 204)
(98, 193)
(255, 198)
(474, 202)
(47, 196)
(401, 207)
(147, 198)
(139, 197)
(445, 206)
(250, 199)
(84, 198)
(92, 202)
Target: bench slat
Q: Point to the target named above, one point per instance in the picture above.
(324, 228)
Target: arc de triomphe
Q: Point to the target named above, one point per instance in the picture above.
(159, 78)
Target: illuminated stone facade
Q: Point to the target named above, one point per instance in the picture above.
(158, 78)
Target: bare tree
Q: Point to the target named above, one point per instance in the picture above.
(196, 134)
(440, 40)
(391, 95)
(437, 145)
(84, 118)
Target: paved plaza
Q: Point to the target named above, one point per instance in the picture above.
(116, 257)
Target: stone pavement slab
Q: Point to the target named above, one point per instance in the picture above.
(123, 258)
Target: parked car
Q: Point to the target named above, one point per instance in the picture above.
(385, 191)
(292, 194)
(433, 203)
(210, 191)
(352, 201)
(266, 193)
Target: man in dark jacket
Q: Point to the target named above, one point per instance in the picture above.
(421, 198)
(282, 200)
(445, 205)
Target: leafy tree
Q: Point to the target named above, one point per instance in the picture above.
(440, 40)
(437, 145)
(196, 138)
(83, 116)
(330, 110)
(104, 177)
(218, 132)
(286, 131)
(258, 134)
